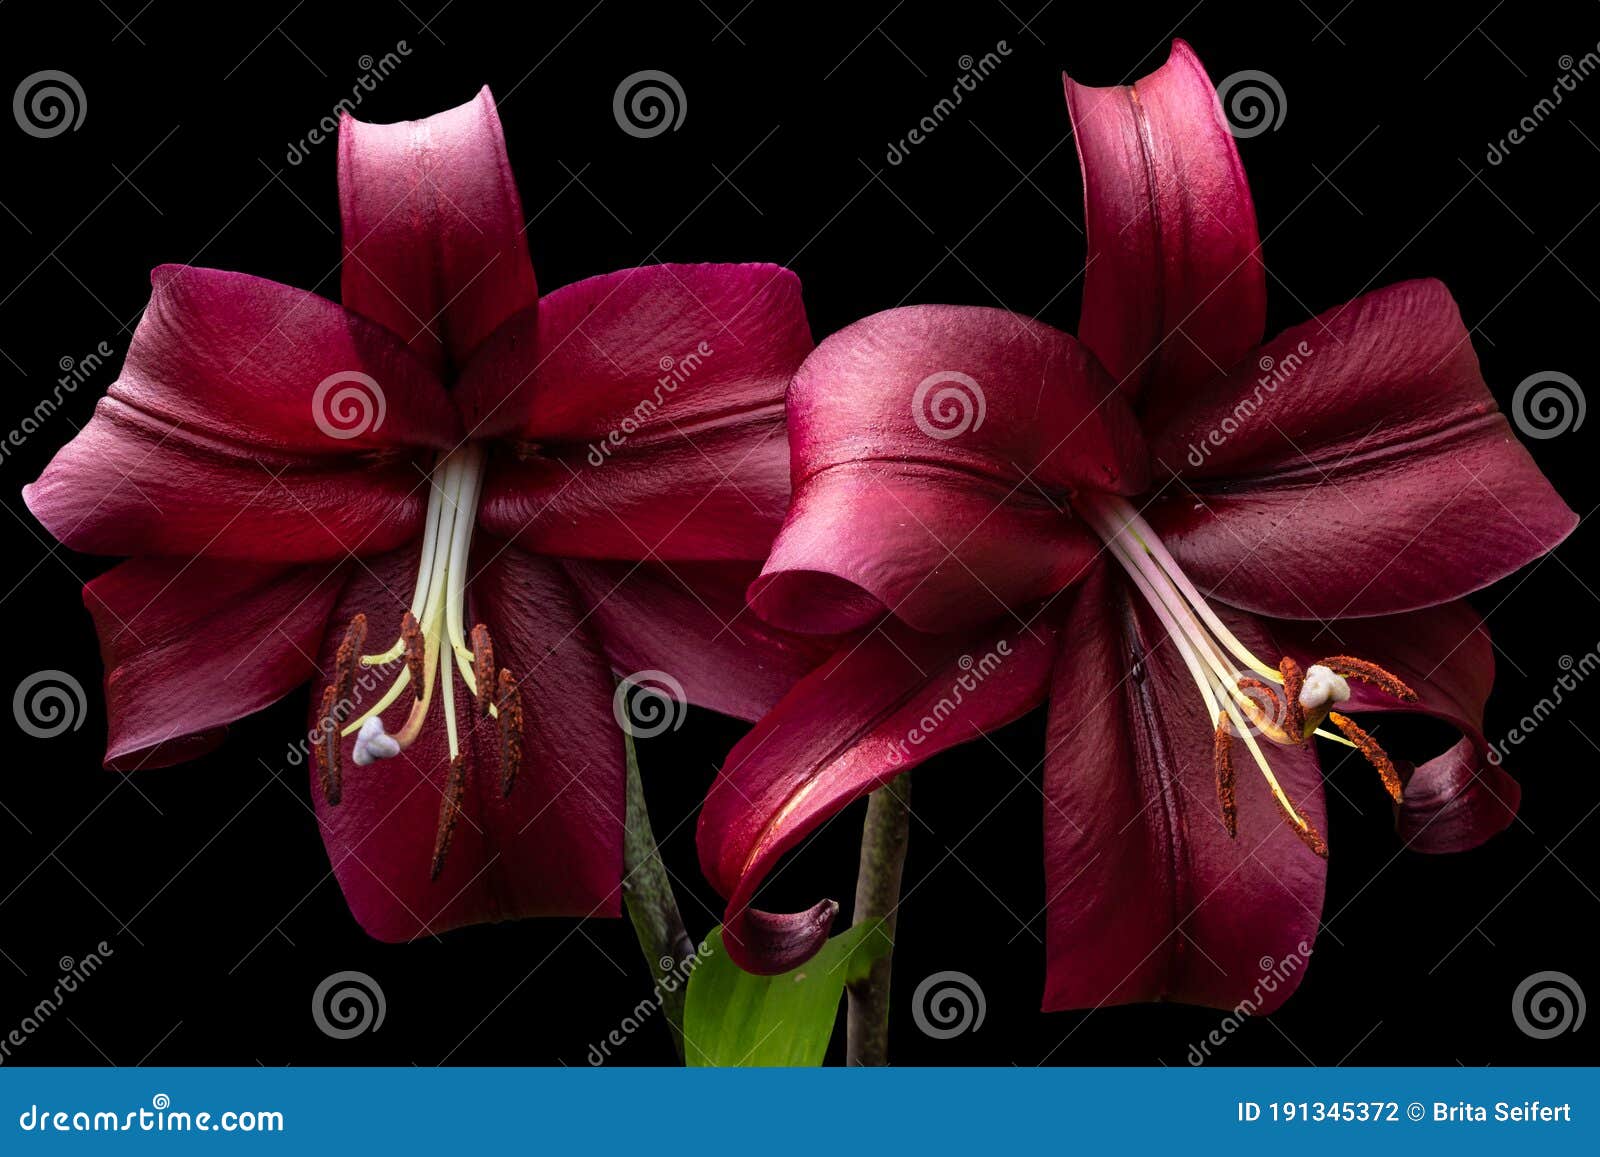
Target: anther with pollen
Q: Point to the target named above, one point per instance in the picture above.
(1353, 668)
(330, 755)
(1294, 680)
(508, 701)
(1368, 747)
(482, 669)
(449, 812)
(1222, 762)
(1304, 828)
(415, 649)
(1268, 711)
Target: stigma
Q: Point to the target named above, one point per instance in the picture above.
(437, 651)
(1242, 695)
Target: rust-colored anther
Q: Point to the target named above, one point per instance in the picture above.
(449, 812)
(347, 657)
(1265, 699)
(1294, 680)
(329, 749)
(416, 652)
(1222, 762)
(1353, 668)
(1368, 747)
(1309, 836)
(482, 669)
(508, 701)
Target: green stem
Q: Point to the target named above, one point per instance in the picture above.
(651, 905)
(883, 859)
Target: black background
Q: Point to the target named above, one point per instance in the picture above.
(210, 881)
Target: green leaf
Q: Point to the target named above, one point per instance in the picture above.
(734, 1018)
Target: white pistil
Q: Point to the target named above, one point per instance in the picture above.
(1322, 688)
(373, 743)
(438, 605)
(1185, 615)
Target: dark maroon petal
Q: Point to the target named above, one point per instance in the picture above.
(934, 448)
(553, 847)
(690, 620)
(250, 421)
(882, 705)
(433, 233)
(1462, 796)
(190, 645)
(1148, 897)
(1356, 465)
(1174, 289)
(651, 403)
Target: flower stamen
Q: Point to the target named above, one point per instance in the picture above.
(1376, 755)
(1239, 703)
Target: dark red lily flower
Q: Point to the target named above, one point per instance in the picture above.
(463, 483)
(1048, 519)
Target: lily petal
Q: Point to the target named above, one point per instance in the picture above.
(690, 620)
(653, 400)
(433, 233)
(1461, 797)
(1370, 473)
(876, 709)
(1174, 288)
(933, 451)
(251, 421)
(553, 847)
(190, 645)
(1148, 898)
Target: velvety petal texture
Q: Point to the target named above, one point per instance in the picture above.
(1461, 797)
(1174, 290)
(1148, 898)
(190, 645)
(250, 421)
(1355, 465)
(690, 620)
(433, 233)
(934, 448)
(649, 405)
(553, 847)
(883, 704)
